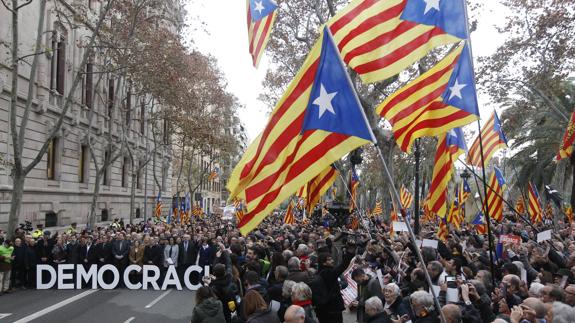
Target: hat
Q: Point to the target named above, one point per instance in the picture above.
(47, 233)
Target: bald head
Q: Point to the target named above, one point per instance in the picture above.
(570, 295)
(294, 314)
(452, 313)
(536, 305)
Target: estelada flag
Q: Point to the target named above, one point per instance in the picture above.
(440, 99)
(566, 148)
(317, 121)
(261, 17)
(378, 39)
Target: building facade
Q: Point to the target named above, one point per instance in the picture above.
(59, 190)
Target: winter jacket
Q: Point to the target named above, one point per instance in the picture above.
(208, 311)
(263, 317)
(6, 257)
(330, 281)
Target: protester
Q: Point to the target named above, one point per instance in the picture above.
(208, 309)
(256, 310)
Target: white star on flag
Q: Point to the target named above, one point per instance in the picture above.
(456, 90)
(431, 4)
(259, 7)
(324, 101)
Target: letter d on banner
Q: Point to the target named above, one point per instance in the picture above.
(40, 283)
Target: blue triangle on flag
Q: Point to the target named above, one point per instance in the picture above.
(478, 220)
(260, 9)
(333, 104)
(449, 15)
(461, 91)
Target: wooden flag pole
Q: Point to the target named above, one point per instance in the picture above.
(395, 196)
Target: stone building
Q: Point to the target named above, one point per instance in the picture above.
(59, 190)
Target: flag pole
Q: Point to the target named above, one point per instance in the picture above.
(417, 155)
(486, 204)
(395, 195)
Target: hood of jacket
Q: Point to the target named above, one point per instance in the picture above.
(209, 307)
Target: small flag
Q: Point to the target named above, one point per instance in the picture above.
(495, 195)
(493, 139)
(480, 224)
(569, 214)
(566, 149)
(261, 17)
(520, 206)
(354, 223)
(535, 210)
(158, 211)
(449, 147)
(378, 209)
(406, 197)
(289, 217)
(549, 210)
(443, 231)
(353, 183)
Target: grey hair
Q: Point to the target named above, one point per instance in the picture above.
(422, 298)
(293, 264)
(563, 313)
(394, 287)
(374, 303)
(287, 288)
(302, 249)
(301, 292)
(287, 254)
(536, 288)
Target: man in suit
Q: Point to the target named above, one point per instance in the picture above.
(88, 254)
(187, 256)
(120, 251)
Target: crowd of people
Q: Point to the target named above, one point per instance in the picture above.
(304, 272)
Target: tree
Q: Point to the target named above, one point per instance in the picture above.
(19, 116)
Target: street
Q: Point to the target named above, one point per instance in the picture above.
(110, 306)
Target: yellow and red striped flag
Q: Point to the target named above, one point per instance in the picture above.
(569, 214)
(406, 197)
(158, 211)
(566, 149)
(317, 121)
(495, 195)
(480, 224)
(379, 39)
(354, 223)
(441, 99)
(449, 147)
(289, 217)
(535, 210)
(377, 209)
(443, 231)
(493, 140)
(317, 187)
(353, 183)
(549, 210)
(261, 17)
(520, 206)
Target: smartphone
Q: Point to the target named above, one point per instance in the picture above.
(451, 281)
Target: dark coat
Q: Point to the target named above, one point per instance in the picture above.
(300, 276)
(399, 307)
(103, 253)
(379, 318)
(208, 311)
(275, 292)
(73, 253)
(187, 257)
(44, 250)
(330, 281)
(206, 256)
(123, 251)
(88, 256)
(263, 317)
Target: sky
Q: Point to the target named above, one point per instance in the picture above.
(219, 28)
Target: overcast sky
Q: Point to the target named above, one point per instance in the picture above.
(223, 34)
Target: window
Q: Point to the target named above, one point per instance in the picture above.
(138, 213)
(139, 176)
(125, 169)
(128, 107)
(104, 215)
(51, 158)
(105, 175)
(51, 220)
(110, 97)
(58, 63)
(88, 85)
(83, 164)
(142, 116)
